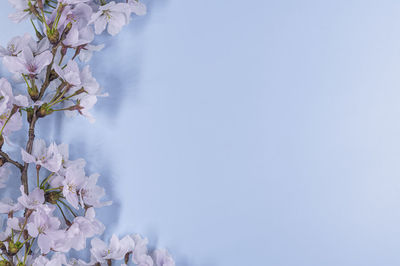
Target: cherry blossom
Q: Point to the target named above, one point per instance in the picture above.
(79, 16)
(10, 119)
(83, 228)
(90, 193)
(86, 51)
(70, 73)
(34, 200)
(116, 250)
(49, 158)
(57, 259)
(66, 163)
(7, 205)
(45, 227)
(140, 254)
(113, 16)
(26, 63)
(15, 46)
(74, 179)
(137, 7)
(22, 8)
(161, 257)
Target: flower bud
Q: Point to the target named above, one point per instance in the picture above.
(18, 245)
(52, 197)
(5, 263)
(53, 75)
(44, 110)
(34, 93)
(39, 35)
(26, 235)
(68, 27)
(29, 114)
(64, 50)
(12, 248)
(66, 31)
(53, 35)
(32, 9)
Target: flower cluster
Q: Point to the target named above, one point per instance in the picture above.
(43, 224)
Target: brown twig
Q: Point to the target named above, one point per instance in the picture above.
(29, 145)
(9, 160)
(46, 83)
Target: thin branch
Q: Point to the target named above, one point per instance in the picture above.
(29, 146)
(47, 81)
(9, 160)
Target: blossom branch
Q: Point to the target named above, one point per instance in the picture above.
(67, 30)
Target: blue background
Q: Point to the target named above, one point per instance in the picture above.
(250, 133)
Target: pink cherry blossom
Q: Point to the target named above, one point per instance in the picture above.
(83, 228)
(140, 254)
(116, 250)
(74, 179)
(27, 63)
(43, 225)
(21, 6)
(113, 16)
(49, 158)
(161, 257)
(70, 73)
(32, 201)
(7, 205)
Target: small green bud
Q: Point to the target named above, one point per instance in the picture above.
(44, 110)
(18, 245)
(68, 27)
(12, 248)
(41, 112)
(66, 31)
(29, 114)
(39, 35)
(5, 263)
(34, 93)
(52, 197)
(53, 35)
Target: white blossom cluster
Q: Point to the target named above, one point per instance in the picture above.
(44, 223)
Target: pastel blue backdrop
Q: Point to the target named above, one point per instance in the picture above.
(250, 133)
